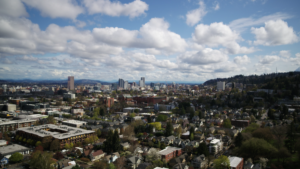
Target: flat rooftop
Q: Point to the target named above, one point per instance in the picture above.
(17, 121)
(168, 150)
(12, 148)
(67, 131)
(74, 122)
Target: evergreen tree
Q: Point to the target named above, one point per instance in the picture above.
(169, 129)
(203, 149)
(238, 140)
(227, 123)
(101, 112)
(116, 141)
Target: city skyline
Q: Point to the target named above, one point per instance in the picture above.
(188, 41)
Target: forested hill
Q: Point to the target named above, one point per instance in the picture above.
(253, 79)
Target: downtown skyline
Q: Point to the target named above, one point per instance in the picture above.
(162, 41)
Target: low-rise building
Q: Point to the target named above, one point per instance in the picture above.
(215, 146)
(15, 124)
(48, 133)
(236, 162)
(169, 153)
(7, 151)
(74, 123)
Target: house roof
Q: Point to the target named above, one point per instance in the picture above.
(235, 161)
(96, 153)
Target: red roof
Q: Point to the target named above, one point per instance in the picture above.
(96, 153)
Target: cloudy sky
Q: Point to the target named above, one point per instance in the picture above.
(162, 40)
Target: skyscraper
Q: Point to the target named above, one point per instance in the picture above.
(71, 83)
(126, 85)
(142, 82)
(121, 83)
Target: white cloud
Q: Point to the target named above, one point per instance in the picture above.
(217, 6)
(132, 9)
(296, 60)
(217, 34)
(56, 8)
(285, 54)
(241, 59)
(269, 59)
(194, 16)
(203, 57)
(80, 24)
(13, 8)
(243, 23)
(274, 33)
(28, 58)
(153, 35)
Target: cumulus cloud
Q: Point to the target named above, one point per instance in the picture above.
(132, 9)
(13, 8)
(241, 59)
(56, 8)
(269, 59)
(153, 35)
(203, 57)
(217, 34)
(194, 16)
(274, 33)
(296, 60)
(285, 54)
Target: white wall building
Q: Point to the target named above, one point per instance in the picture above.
(220, 86)
(215, 146)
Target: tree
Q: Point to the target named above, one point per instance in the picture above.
(41, 160)
(39, 148)
(203, 149)
(16, 157)
(252, 127)
(252, 119)
(263, 133)
(192, 136)
(152, 156)
(227, 123)
(101, 112)
(67, 146)
(222, 162)
(169, 129)
(238, 140)
(76, 167)
(58, 156)
(157, 125)
(51, 120)
(54, 146)
(98, 132)
(120, 162)
(178, 131)
(256, 147)
(283, 153)
(162, 118)
(116, 141)
(38, 143)
(111, 166)
(129, 132)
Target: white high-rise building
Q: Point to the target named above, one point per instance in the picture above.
(142, 82)
(220, 86)
(126, 86)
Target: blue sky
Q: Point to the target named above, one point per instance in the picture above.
(170, 40)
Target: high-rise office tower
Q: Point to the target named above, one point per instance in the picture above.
(71, 83)
(142, 82)
(126, 85)
(121, 83)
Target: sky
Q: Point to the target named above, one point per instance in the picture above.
(161, 40)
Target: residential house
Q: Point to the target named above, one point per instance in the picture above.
(125, 145)
(177, 142)
(226, 140)
(176, 160)
(112, 157)
(199, 161)
(193, 144)
(169, 140)
(96, 155)
(133, 162)
(63, 163)
(185, 143)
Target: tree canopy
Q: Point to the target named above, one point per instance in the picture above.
(222, 162)
(16, 157)
(256, 147)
